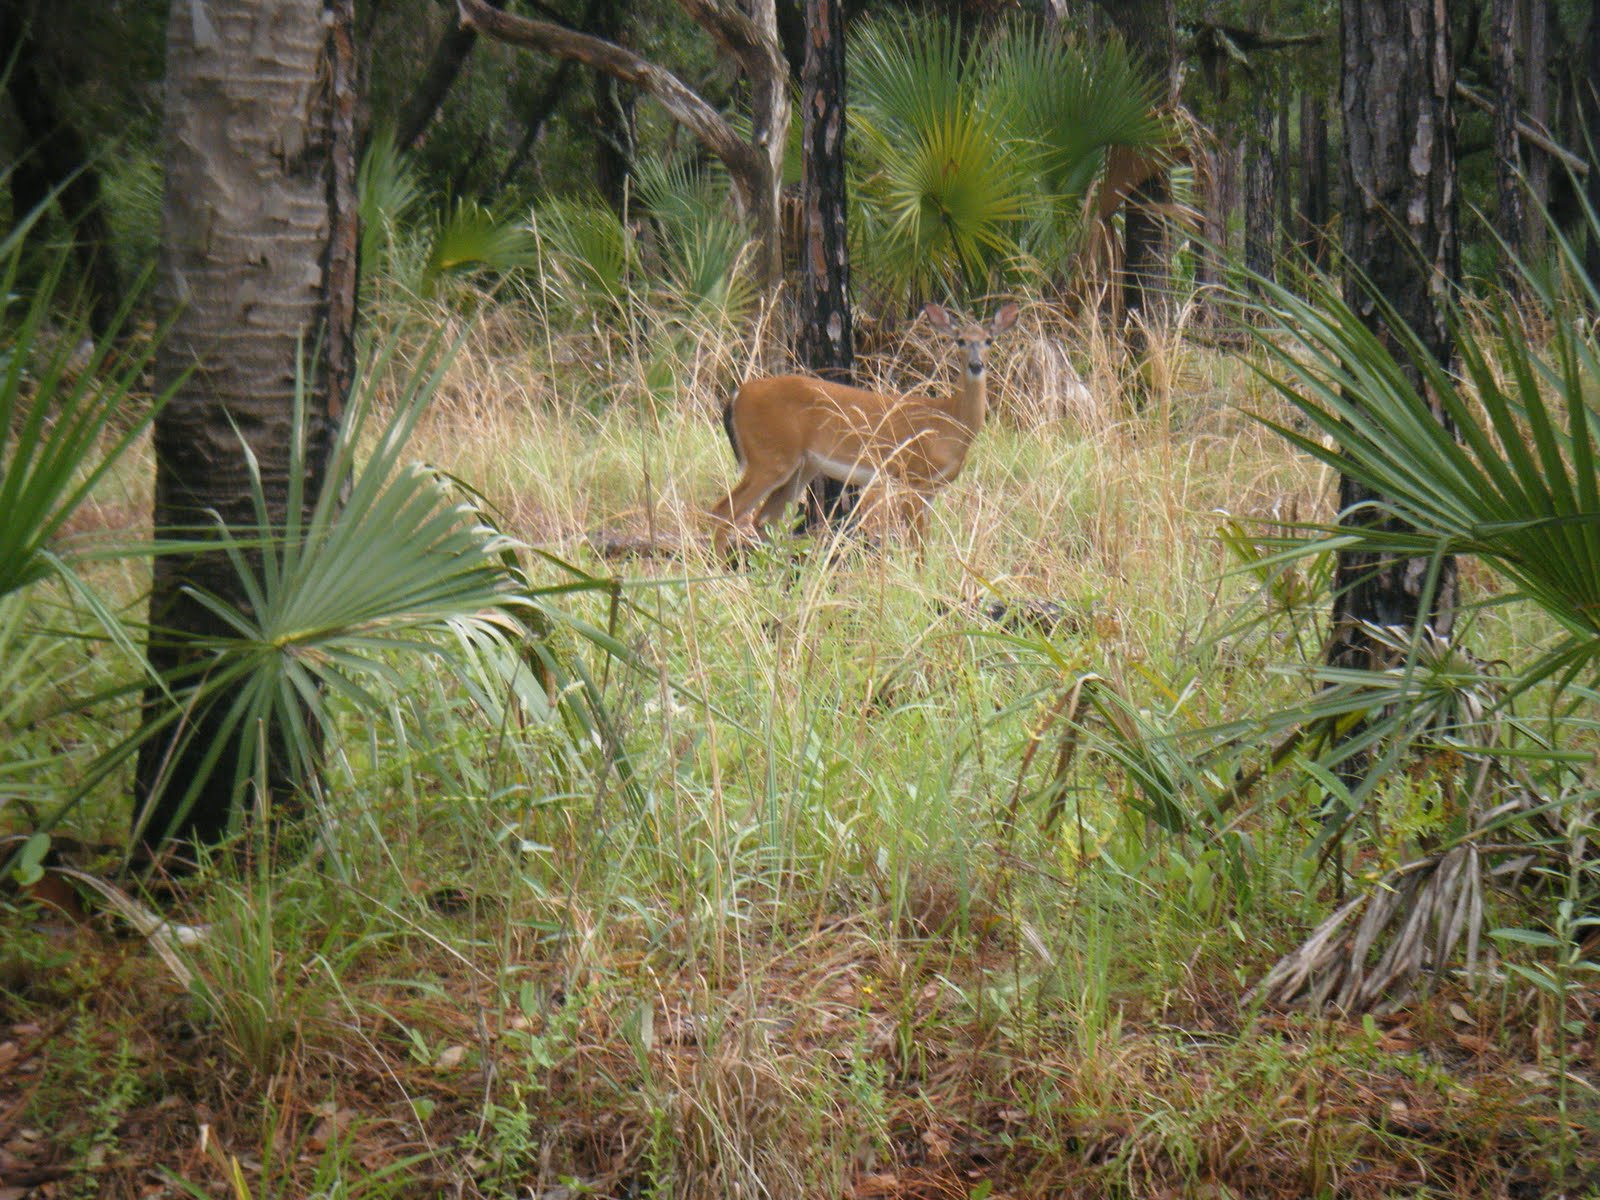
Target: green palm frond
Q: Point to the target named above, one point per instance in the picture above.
(340, 605)
(906, 76)
(701, 250)
(587, 255)
(974, 162)
(466, 235)
(1514, 483)
(60, 395)
(388, 189)
(944, 186)
(1075, 101)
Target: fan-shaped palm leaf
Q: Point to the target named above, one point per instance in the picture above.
(587, 256)
(468, 235)
(1515, 483)
(700, 248)
(388, 188)
(971, 161)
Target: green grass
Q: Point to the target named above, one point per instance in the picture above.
(776, 933)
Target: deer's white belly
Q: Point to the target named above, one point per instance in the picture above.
(855, 471)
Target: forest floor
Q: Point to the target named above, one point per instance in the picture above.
(810, 936)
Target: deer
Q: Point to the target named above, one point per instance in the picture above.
(786, 430)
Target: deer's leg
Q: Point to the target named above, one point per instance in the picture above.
(783, 496)
(736, 513)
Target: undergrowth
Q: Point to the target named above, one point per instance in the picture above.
(793, 924)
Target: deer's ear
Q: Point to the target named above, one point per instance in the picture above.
(1004, 319)
(938, 317)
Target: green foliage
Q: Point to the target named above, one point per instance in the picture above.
(1495, 460)
(402, 564)
(700, 248)
(57, 405)
(1075, 102)
(389, 189)
(943, 187)
(974, 158)
(587, 258)
(420, 244)
(466, 235)
(1514, 484)
(689, 268)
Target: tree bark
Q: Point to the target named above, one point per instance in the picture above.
(1260, 201)
(1314, 206)
(1536, 75)
(826, 342)
(1508, 220)
(754, 166)
(449, 56)
(614, 102)
(1283, 177)
(1589, 105)
(1150, 29)
(1400, 233)
(258, 267)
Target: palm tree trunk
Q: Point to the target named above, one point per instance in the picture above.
(258, 275)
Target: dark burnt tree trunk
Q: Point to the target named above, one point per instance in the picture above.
(449, 56)
(56, 159)
(1260, 200)
(1508, 221)
(1314, 206)
(1149, 27)
(1536, 84)
(1283, 180)
(615, 144)
(1589, 106)
(826, 341)
(258, 265)
(1399, 228)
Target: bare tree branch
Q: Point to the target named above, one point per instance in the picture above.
(686, 106)
(754, 166)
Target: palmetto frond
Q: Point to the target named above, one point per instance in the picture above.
(973, 158)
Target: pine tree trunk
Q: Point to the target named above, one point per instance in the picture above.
(1283, 177)
(1260, 201)
(614, 103)
(257, 268)
(1507, 155)
(1213, 252)
(1314, 208)
(1536, 76)
(1589, 106)
(1150, 29)
(826, 341)
(1400, 206)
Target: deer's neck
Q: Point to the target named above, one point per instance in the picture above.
(971, 402)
